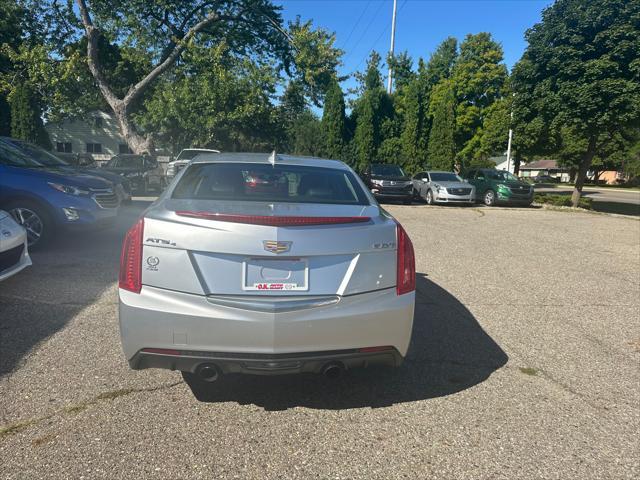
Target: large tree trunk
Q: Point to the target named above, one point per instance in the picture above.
(582, 171)
(136, 142)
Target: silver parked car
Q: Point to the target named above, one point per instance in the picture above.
(14, 255)
(443, 187)
(183, 159)
(250, 263)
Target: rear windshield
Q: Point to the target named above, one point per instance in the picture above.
(267, 183)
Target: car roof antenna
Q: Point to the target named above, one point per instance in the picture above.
(272, 158)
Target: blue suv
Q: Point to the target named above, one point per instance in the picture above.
(44, 200)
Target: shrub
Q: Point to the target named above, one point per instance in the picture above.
(562, 200)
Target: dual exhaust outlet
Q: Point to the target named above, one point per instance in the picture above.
(210, 372)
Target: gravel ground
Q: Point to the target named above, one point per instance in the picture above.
(524, 364)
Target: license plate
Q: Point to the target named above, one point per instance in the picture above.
(266, 274)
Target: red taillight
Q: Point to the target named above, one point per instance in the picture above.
(406, 276)
(131, 259)
(162, 351)
(272, 221)
(375, 349)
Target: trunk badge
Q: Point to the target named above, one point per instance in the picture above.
(275, 246)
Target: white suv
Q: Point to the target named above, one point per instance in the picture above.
(184, 157)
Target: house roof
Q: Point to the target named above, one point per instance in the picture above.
(540, 165)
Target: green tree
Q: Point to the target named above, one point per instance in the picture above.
(413, 141)
(441, 62)
(402, 67)
(372, 110)
(493, 136)
(217, 100)
(334, 122)
(5, 117)
(161, 32)
(416, 97)
(26, 121)
(479, 78)
(305, 134)
(580, 77)
(442, 147)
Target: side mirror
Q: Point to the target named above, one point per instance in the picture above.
(425, 179)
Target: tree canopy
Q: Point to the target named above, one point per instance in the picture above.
(578, 82)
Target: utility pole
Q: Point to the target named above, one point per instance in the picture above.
(509, 144)
(393, 39)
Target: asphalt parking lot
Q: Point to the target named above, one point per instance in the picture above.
(524, 364)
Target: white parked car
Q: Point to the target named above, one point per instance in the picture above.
(266, 265)
(14, 255)
(183, 159)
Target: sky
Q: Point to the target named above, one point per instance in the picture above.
(364, 25)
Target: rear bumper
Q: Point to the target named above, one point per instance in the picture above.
(164, 319)
(263, 364)
(21, 262)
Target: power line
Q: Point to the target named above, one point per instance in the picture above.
(375, 15)
(377, 40)
(355, 25)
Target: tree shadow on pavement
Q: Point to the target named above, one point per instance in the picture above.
(67, 275)
(450, 352)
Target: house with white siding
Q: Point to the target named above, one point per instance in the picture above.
(97, 134)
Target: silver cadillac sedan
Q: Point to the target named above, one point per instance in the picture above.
(443, 187)
(265, 264)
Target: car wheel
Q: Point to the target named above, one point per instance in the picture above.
(35, 220)
(429, 197)
(489, 198)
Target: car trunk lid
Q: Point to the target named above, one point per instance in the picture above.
(253, 248)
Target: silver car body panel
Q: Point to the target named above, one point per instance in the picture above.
(13, 247)
(196, 277)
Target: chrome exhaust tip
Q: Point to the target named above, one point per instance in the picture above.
(333, 370)
(208, 372)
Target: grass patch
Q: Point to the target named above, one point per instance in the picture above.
(562, 200)
(114, 394)
(533, 372)
(75, 408)
(15, 428)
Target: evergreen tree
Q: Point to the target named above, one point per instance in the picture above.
(373, 108)
(442, 148)
(5, 117)
(479, 77)
(441, 62)
(334, 122)
(402, 65)
(413, 142)
(26, 123)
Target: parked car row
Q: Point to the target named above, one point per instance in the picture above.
(485, 185)
(46, 195)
